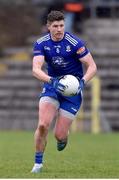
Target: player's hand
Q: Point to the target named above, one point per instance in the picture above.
(82, 85)
(56, 85)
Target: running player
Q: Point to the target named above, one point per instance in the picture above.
(64, 54)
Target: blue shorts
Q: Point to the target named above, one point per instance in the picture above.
(69, 104)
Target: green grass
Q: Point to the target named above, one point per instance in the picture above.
(86, 156)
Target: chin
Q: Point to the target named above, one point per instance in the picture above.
(59, 36)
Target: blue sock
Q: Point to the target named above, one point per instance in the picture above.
(38, 157)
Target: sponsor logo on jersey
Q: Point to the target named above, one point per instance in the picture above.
(47, 48)
(58, 61)
(81, 50)
(68, 48)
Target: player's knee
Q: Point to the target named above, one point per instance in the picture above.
(42, 128)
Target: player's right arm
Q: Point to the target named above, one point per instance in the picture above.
(38, 62)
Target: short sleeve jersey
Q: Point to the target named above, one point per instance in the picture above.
(62, 57)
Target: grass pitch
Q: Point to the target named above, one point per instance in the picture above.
(86, 156)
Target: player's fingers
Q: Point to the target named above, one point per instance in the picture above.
(61, 87)
(79, 90)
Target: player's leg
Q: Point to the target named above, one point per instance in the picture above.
(68, 108)
(62, 127)
(47, 111)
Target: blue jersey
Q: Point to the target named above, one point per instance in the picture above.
(62, 57)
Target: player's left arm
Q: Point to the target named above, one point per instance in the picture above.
(91, 67)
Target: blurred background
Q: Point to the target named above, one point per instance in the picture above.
(22, 22)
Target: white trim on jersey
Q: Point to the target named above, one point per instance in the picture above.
(71, 39)
(44, 38)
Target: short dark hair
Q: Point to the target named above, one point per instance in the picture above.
(55, 16)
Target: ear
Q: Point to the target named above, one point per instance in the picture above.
(48, 26)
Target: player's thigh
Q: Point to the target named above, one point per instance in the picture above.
(47, 110)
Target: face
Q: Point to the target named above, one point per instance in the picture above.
(56, 29)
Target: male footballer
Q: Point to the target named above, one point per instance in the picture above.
(64, 53)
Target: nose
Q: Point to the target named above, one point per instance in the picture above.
(59, 28)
